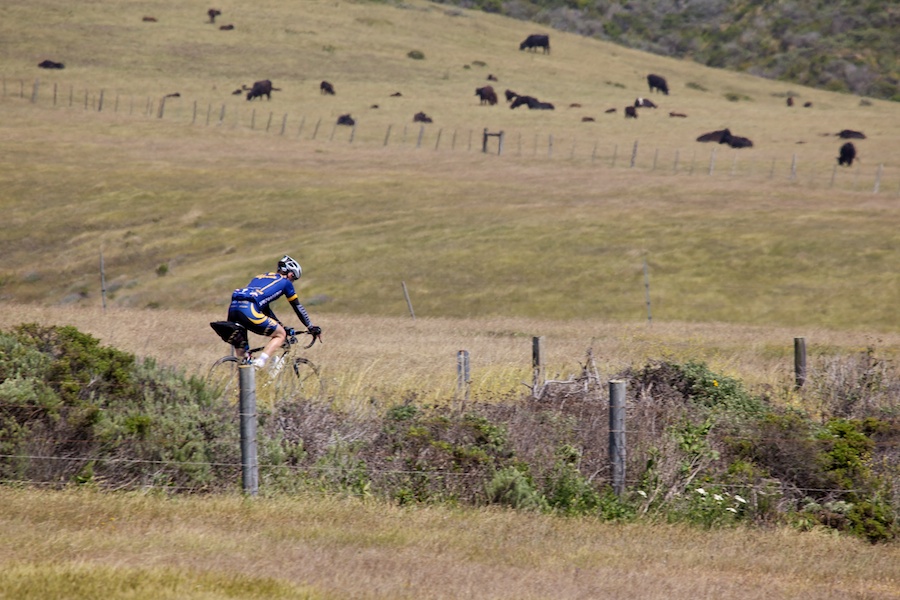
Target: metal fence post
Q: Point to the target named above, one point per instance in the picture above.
(617, 434)
(249, 459)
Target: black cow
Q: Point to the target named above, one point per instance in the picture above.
(228, 27)
(262, 88)
(510, 95)
(326, 88)
(49, 64)
(396, 95)
(630, 112)
(421, 117)
(346, 120)
(849, 134)
(714, 136)
(807, 104)
(656, 82)
(521, 100)
(541, 106)
(848, 154)
(790, 101)
(213, 13)
(587, 119)
(644, 103)
(735, 141)
(610, 110)
(536, 40)
(487, 95)
(490, 77)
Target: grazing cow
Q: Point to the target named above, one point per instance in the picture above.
(644, 103)
(228, 27)
(346, 120)
(630, 112)
(656, 82)
(714, 136)
(374, 106)
(510, 95)
(491, 78)
(149, 19)
(262, 88)
(807, 104)
(487, 95)
(536, 40)
(848, 154)
(396, 95)
(421, 117)
(790, 101)
(610, 110)
(326, 88)
(213, 13)
(587, 119)
(49, 64)
(677, 114)
(849, 134)
(175, 95)
(574, 105)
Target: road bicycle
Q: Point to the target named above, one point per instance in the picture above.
(286, 377)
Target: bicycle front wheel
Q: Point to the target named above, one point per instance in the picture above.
(223, 379)
(300, 379)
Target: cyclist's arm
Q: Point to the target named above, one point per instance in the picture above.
(301, 313)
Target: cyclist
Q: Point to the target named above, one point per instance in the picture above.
(251, 307)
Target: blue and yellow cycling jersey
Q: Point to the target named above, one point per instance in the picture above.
(266, 288)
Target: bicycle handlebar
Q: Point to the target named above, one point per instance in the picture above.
(292, 337)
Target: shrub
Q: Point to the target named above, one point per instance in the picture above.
(416, 55)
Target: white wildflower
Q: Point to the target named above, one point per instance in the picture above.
(739, 499)
(734, 510)
(717, 498)
(642, 493)
(701, 491)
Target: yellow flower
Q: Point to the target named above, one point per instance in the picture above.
(715, 383)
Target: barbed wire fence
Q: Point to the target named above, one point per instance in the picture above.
(876, 178)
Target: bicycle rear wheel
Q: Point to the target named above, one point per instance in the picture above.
(223, 379)
(299, 380)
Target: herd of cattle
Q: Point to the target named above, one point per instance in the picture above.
(488, 96)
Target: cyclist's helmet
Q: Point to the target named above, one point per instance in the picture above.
(289, 265)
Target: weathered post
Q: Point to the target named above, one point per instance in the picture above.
(634, 154)
(421, 134)
(537, 364)
(249, 460)
(799, 361)
(617, 434)
(462, 374)
(34, 91)
(387, 135)
(712, 161)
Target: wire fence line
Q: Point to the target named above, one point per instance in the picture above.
(315, 470)
(703, 160)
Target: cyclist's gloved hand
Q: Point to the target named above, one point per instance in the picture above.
(315, 330)
(291, 331)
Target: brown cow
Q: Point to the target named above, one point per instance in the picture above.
(213, 13)
(421, 117)
(630, 112)
(326, 88)
(487, 95)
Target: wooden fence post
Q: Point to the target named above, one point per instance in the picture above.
(463, 378)
(617, 434)
(387, 135)
(634, 154)
(537, 364)
(799, 362)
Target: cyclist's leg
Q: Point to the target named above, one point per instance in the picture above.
(248, 315)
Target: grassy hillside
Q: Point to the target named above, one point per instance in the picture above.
(560, 226)
(840, 46)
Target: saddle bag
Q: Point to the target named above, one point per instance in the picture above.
(231, 332)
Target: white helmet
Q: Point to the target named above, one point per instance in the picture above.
(289, 265)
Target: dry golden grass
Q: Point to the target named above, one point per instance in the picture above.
(390, 359)
(61, 545)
